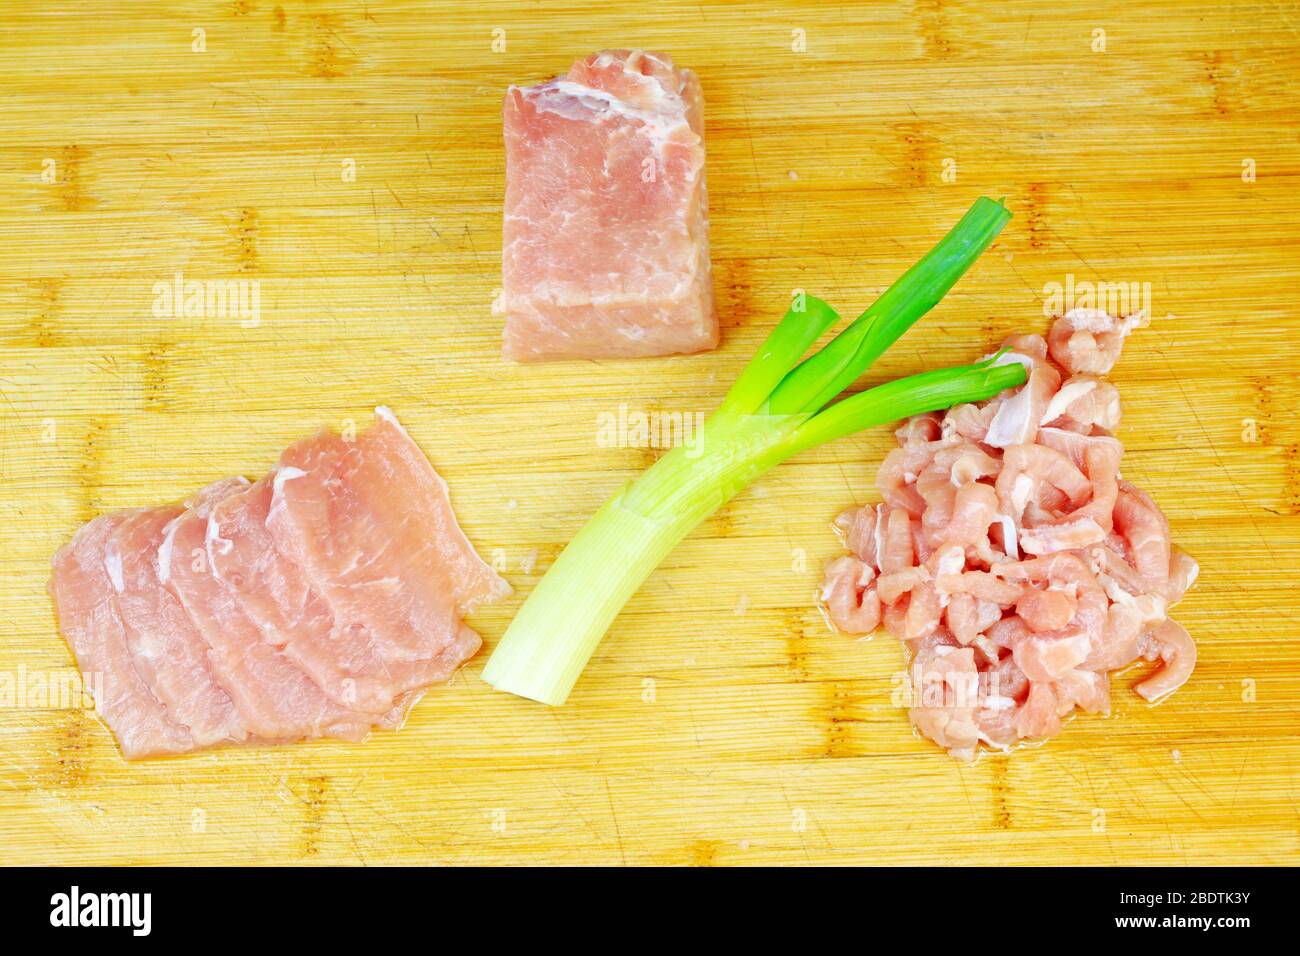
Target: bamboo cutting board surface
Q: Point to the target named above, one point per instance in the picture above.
(346, 156)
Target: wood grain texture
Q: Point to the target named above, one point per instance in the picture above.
(721, 722)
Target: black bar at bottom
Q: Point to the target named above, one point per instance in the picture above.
(341, 906)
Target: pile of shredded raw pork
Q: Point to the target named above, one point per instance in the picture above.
(1009, 556)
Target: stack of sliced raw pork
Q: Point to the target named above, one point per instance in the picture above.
(319, 601)
(1010, 557)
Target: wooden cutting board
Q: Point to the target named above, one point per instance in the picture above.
(346, 158)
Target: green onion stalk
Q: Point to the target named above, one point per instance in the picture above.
(778, 407)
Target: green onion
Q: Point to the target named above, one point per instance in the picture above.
(775, 409)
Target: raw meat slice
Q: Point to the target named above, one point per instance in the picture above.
(1090, 340)
(274, 592)
(84, 600)
(275, 700)
(850, 600)
(1170, 642)
(338, 509)
(414, 502)
(168, 652)
(606, 250)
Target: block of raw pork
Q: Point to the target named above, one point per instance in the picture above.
(606, 238)
(319, 601)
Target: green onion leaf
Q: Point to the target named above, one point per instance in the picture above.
(823, 376)
(803, 325)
